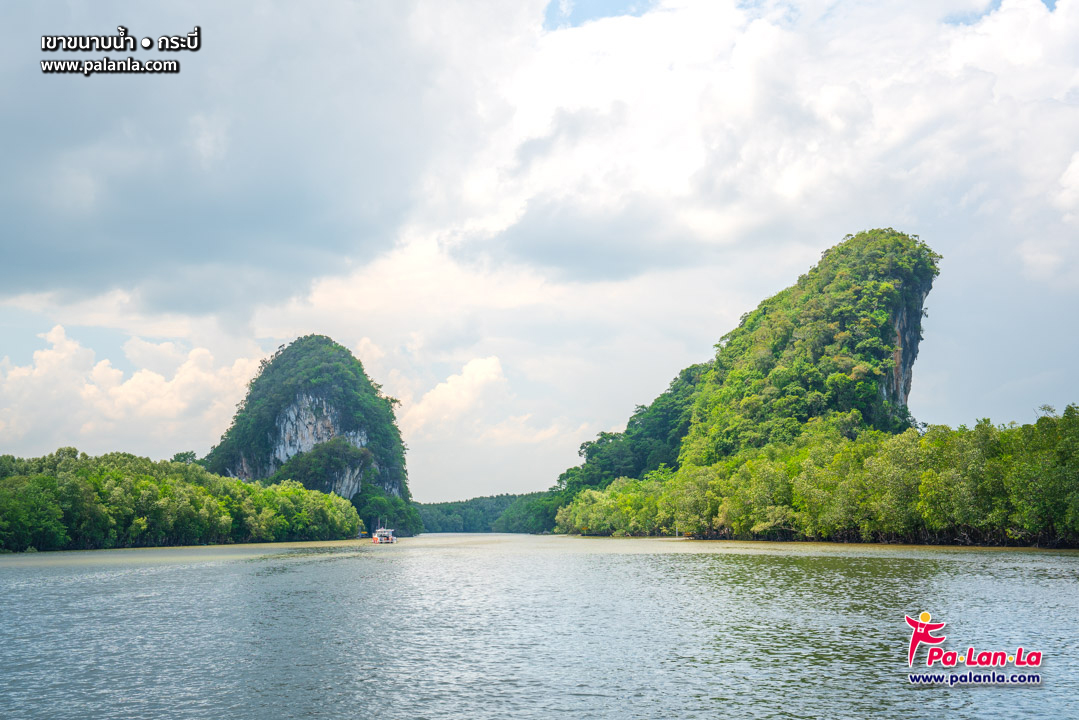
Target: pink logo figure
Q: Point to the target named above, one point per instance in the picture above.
(923, 633)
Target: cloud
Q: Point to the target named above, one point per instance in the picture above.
(67, 397)
(159, 358)
(632, 236)
(272, 153)
(518, 430)
(367, 351)
(743, 124)
(209, 136)
(1067, 199)
(458, 396)
(592, 202)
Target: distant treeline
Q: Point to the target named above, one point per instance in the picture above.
(494, 513)
(986, 485)
(69, 501)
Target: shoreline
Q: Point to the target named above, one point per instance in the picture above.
(186, 554)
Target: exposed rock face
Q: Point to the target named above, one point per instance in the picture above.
(305, 423)
(299, 427)
(347, 482)
(895, 388)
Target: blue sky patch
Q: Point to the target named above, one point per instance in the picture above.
(973, 17)
(969, 18)
(22, 331)
(572, 13)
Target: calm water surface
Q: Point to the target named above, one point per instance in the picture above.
(499, 626)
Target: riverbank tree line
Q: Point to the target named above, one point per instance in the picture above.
(988, 484)
(70, 501)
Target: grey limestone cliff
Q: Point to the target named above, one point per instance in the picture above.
(895, 387)
(301, 426)
(308, 421)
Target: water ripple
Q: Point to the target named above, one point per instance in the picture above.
(529, 627)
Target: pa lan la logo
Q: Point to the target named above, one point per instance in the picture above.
(922, 633)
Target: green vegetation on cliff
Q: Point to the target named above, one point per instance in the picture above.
(316, 468)
(69, 501)
(314, 366)
(836, 347)
(311, 405)
(653, 437)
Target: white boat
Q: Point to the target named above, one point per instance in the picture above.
(384, 535)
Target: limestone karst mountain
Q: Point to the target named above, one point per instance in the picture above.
(837, 347)
(313, 414)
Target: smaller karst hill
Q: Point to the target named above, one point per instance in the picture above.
(312, 414)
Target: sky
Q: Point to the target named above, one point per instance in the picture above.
(523, 218)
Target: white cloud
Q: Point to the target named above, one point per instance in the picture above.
(734, 122)
(518, 430)
(117, 308)
(458, 396)
(66, 397)
(1067, 199)
(162, 358)
(209, 138)
(710, 149)
(367, 351)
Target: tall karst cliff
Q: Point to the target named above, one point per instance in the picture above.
(313, 415)
(837, 346)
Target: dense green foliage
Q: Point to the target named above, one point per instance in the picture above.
(314, 365)
(824, 347)
(316, 468)
(377, 508)
(68, 500)
(994, 485)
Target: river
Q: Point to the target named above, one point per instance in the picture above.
(511, 626)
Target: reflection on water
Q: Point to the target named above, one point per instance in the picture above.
(499, 626)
